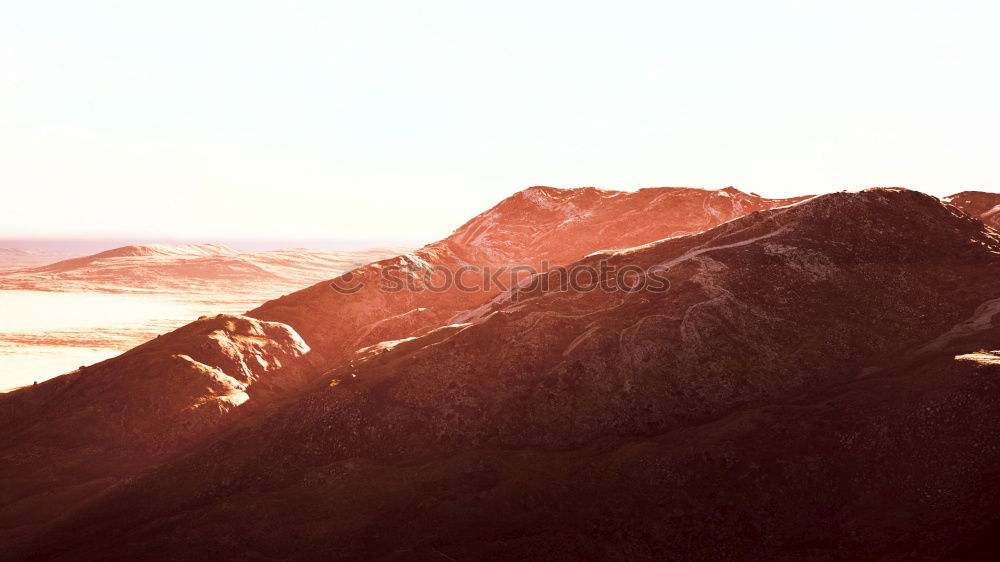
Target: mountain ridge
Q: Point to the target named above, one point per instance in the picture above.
(535, 227)
(810, 321)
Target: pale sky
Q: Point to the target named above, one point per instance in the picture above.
(401, 120)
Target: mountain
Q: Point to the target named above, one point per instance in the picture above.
(818, 382)
(536, 227)
(148, 250)
(980, 204)
(194, 381)
(184, 268)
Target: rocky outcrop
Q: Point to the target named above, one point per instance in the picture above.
(67, 438)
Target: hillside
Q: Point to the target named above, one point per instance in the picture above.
(791, 395)
(68, 438)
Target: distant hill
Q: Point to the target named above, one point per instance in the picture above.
(188, 267)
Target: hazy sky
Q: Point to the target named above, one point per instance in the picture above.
(400, 120)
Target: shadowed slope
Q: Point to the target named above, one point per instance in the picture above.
(66, 438)
(901, 466)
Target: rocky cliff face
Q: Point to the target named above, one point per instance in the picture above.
(793, 394)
